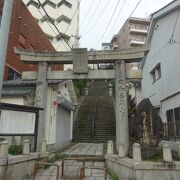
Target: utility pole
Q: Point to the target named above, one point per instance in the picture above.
(4, 35)
(77, 38)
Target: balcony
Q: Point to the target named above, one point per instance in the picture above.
(114, 46)
(136, 42)
(138, 31)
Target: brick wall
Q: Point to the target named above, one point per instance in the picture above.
(24, 33)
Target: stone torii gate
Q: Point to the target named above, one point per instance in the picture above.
(80, 58)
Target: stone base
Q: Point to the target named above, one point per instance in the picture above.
(126, 168)
(147, 152)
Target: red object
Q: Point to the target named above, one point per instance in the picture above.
(55, 103)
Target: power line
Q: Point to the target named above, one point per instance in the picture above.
(109, 21)
(121, 18)
(50, 26)
(94, 12)
(87, 12)
(97, 18)
(54, 24)
(117, 17)
(135, 8)
(71, 21)
(113, 14)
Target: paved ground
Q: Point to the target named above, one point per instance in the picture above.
(85, 149)
(72, 167)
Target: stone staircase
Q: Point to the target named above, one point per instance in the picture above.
(104, 123)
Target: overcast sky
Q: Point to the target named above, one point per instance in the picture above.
(94, 21)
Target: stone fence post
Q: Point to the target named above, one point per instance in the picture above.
(121, 151)
(167, 156)
(26, 147)
(110, 147)
(178, 148)
(137, 152)
(87, 89)
(43, 147)
(4, 150)
(110, 86)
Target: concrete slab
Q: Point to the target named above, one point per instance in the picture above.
(85, 149)
(72, 167)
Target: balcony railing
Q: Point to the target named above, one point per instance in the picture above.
(137, 42)
(138, 31)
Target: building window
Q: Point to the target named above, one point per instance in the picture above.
(66, 3)
(33, 3)
(62, 38)
(177, 114)
(47, 2)
(156, 73)
(173, 115)
(13, 74)
(32, 47)
(22, 41)
(170, 116)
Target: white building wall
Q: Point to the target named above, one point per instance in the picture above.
(70, 30)
(63, 127)
(54, 116)
(168, 55)
(138, 95)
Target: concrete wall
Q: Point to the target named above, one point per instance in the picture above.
(126, 168)
(63, 127)
(18, 167)
(53, 114)
(167, 54)
(13, 100)
(136, 93)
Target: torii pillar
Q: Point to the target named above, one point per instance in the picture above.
(41, 100)
(121, 106)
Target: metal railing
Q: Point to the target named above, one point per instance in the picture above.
(69, 159)
(36, 166)
(82, 171)
(171, 130)
(94, 116)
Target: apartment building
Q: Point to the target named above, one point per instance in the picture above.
(24, 33)
(64, 14)
(132, 34)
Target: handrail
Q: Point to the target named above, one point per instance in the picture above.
(66, 159)
(82, 171)
(94, 114)
(44, 163)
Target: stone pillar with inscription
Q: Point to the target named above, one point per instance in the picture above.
(121, 108)
(41, 100)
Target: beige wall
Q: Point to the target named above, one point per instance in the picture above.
(13, 100)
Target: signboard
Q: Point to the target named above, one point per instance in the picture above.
(17, 122)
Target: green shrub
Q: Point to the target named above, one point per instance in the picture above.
(115, 177)
(79, 84)
(15, 149)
